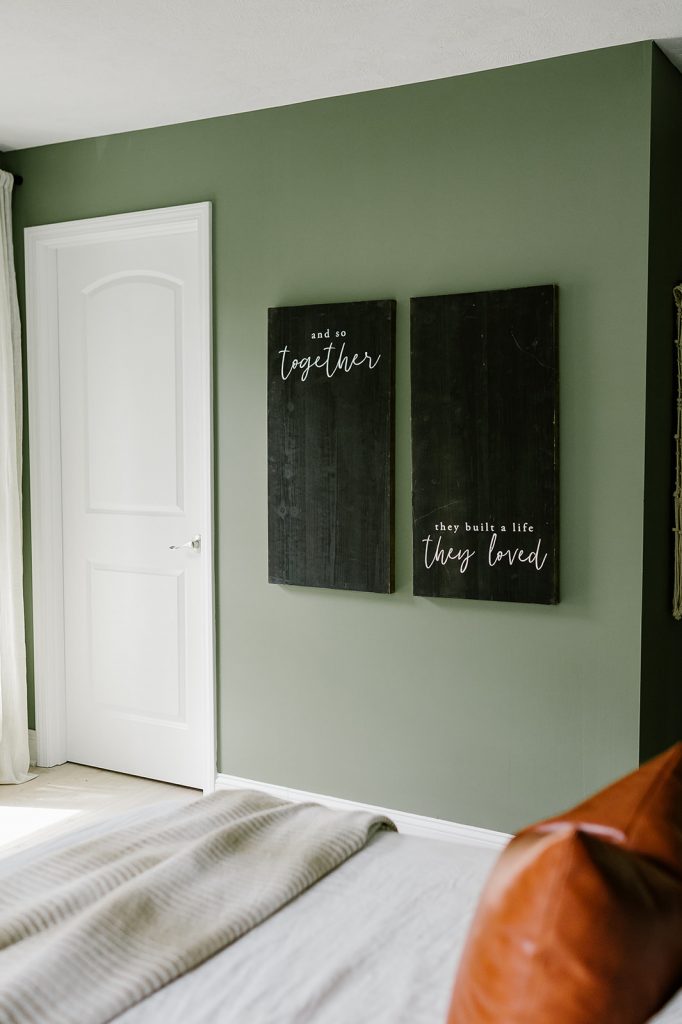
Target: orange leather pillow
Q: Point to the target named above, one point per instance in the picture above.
(581, 920)
(642, 812)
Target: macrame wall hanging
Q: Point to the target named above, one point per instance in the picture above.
(677, 494)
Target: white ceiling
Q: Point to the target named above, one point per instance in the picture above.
(72, 69)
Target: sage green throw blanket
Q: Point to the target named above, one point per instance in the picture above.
(89, 931)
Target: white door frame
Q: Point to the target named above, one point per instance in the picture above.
(42, 248)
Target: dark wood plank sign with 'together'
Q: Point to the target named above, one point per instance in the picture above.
(330, 445)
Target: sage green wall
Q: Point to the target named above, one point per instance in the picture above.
(486, 713)
(661, 697)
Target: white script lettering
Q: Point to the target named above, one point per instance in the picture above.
(515, 555)
(463, 555)
(328, 363)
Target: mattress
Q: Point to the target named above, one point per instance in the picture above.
(377, 941)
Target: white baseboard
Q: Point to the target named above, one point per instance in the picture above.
(407, 823)
(32, 746)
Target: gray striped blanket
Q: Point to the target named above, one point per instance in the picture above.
(91, 930)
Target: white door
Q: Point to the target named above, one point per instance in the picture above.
(132, 315)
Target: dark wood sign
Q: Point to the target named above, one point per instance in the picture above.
(330, 445)
(485, 445)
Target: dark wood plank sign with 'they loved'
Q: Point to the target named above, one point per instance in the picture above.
(330, 445)
(485, 445)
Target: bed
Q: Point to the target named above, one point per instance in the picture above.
(376, 940)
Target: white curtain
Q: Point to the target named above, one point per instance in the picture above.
(14, 757)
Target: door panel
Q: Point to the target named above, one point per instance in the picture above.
(143, 674)
(133, 352)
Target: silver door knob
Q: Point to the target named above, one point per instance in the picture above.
(194, 543)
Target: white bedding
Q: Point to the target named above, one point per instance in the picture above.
(375, 942)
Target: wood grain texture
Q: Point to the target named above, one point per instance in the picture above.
(331, 445)
(485, 469)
